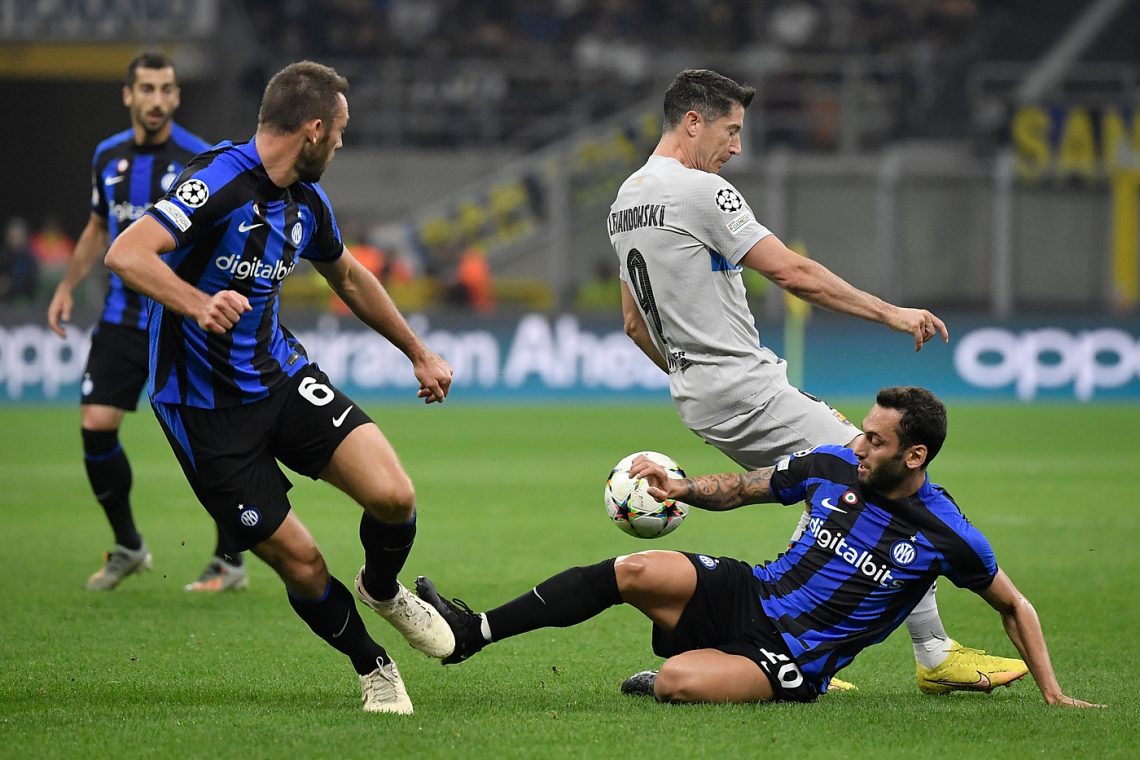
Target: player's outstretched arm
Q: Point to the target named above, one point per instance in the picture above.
(91, 245)
(818, 285)
(135, 257)
(637, 330)
(372, 305)
(716, 493)
(1024, 629)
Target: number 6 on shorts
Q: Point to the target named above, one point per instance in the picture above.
(316, 393)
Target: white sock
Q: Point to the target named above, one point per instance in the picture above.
(485, 627)
(927, 633)
(801, 526)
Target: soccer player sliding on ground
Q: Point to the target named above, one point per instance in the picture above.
(879, 533)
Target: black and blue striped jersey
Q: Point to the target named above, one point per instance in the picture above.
(126, 178)
(234, 230)
(864, 561)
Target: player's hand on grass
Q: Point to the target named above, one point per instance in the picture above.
(223, 311)
(434, 375)
(920, 323)
(1064, 701)
(661, 486)
(59, 310)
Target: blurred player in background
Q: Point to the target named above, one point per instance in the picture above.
(130, 171)
(683, 235)
(880, 532)
(236, 393)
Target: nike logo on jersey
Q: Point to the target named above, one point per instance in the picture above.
(337, 421)
(246, 226)
(826, 504)
(114, 180)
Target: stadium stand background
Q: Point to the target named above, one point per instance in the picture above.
(881, 139)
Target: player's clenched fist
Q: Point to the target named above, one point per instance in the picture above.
(434, 375)
(223, 311)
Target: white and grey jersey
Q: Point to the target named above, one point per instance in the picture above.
(679, 235)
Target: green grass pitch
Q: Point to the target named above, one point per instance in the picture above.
(508, 496)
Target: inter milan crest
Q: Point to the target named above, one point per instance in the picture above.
(903, 553)
(193, 192)
(728, 200)
(249, 516)
(709, 562)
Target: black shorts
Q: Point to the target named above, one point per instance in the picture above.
(725, 614)
(230, 455)
(116, 369)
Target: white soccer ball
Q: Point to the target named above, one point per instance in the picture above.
(630, 506)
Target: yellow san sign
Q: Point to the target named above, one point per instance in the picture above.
(1075, 142)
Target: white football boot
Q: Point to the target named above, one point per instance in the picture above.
(416, 620)
(382, 691)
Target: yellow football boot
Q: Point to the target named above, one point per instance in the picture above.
(838, 684)
(968, 670)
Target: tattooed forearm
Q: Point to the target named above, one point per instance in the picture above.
(728, 490)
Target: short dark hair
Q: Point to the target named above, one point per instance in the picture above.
(710, 94)
(923, 417)
(299, 92)
(151, 59)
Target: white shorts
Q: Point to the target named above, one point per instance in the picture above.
(789, 422)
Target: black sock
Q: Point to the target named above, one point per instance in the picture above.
(227, 549)
(110, 475)
(386, 548)
(334, 618)
(565, 599)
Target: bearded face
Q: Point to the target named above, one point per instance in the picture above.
(886, 475)
(885, 461)
(315, 158)
(152, 101)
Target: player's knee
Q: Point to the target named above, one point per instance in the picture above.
(100, 418)
(632, 571)
(395, 503)
(675, 683)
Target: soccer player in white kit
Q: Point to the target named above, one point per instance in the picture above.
(682, 235)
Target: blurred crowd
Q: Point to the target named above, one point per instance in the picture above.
(471, 73)
(32, 260)
(579, 30)
(521, 73)
(454, 277)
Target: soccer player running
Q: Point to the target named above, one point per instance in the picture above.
(682, 235)
(879, 533)
(130, 170)
(235, 392)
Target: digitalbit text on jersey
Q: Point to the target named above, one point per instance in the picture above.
(863, 561)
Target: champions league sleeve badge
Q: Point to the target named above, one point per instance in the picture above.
(728, 200)
(193, 192)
